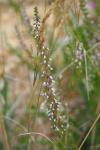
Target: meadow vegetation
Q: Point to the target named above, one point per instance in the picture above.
(50, 75)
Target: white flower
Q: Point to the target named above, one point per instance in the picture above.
(44, 61)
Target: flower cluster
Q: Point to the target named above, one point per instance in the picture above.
(79, 55)
(25, 18)
(36, 24)
(48, 92)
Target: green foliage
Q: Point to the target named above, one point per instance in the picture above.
(74, 51)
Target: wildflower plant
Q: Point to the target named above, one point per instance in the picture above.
(48, 85)
(64, 64)
(78, 55)
(78, 46)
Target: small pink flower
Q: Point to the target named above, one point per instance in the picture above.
(91, 5)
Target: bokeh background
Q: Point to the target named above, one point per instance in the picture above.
(18, 94)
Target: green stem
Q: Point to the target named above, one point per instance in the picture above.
(93, 125)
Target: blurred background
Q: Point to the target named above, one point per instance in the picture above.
(66, 23)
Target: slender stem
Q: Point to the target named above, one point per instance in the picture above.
(36, 133)
(4, 133)
(93, 125)
(86, 72)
